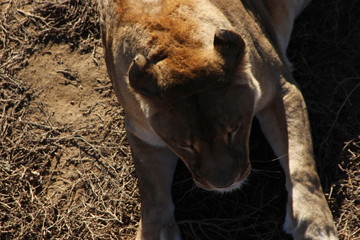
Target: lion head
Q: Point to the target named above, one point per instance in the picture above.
(201, 103)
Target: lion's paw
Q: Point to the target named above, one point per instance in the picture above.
(312, 229)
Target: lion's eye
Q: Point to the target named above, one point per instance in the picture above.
(230, 137)
(189, 148)
(231, 134)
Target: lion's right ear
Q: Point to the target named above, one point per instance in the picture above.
(142, 75)
(230, 45)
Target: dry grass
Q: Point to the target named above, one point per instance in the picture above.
(76, 181)
(87, 195)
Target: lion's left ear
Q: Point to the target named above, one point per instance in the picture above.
(142, 75)
(230, 45)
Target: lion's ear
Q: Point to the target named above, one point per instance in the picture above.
(230, 45)
(142, 75)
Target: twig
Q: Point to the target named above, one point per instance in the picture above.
(328, 134)
(34, 124)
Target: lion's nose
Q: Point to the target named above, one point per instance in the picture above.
(222, 177)
(226, 176)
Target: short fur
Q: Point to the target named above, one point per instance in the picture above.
(191, 75)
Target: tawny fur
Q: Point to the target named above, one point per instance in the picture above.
(189, 96)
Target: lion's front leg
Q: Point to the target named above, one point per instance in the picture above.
(154, 168)
(286, 126)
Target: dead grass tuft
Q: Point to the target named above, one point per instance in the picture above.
(59, 181)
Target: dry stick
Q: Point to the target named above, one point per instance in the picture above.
(34, 124)
(337, 115)
(33, 16)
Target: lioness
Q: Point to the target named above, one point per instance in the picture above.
(191, 74)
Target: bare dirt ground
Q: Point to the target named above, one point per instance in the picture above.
(65, 164)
